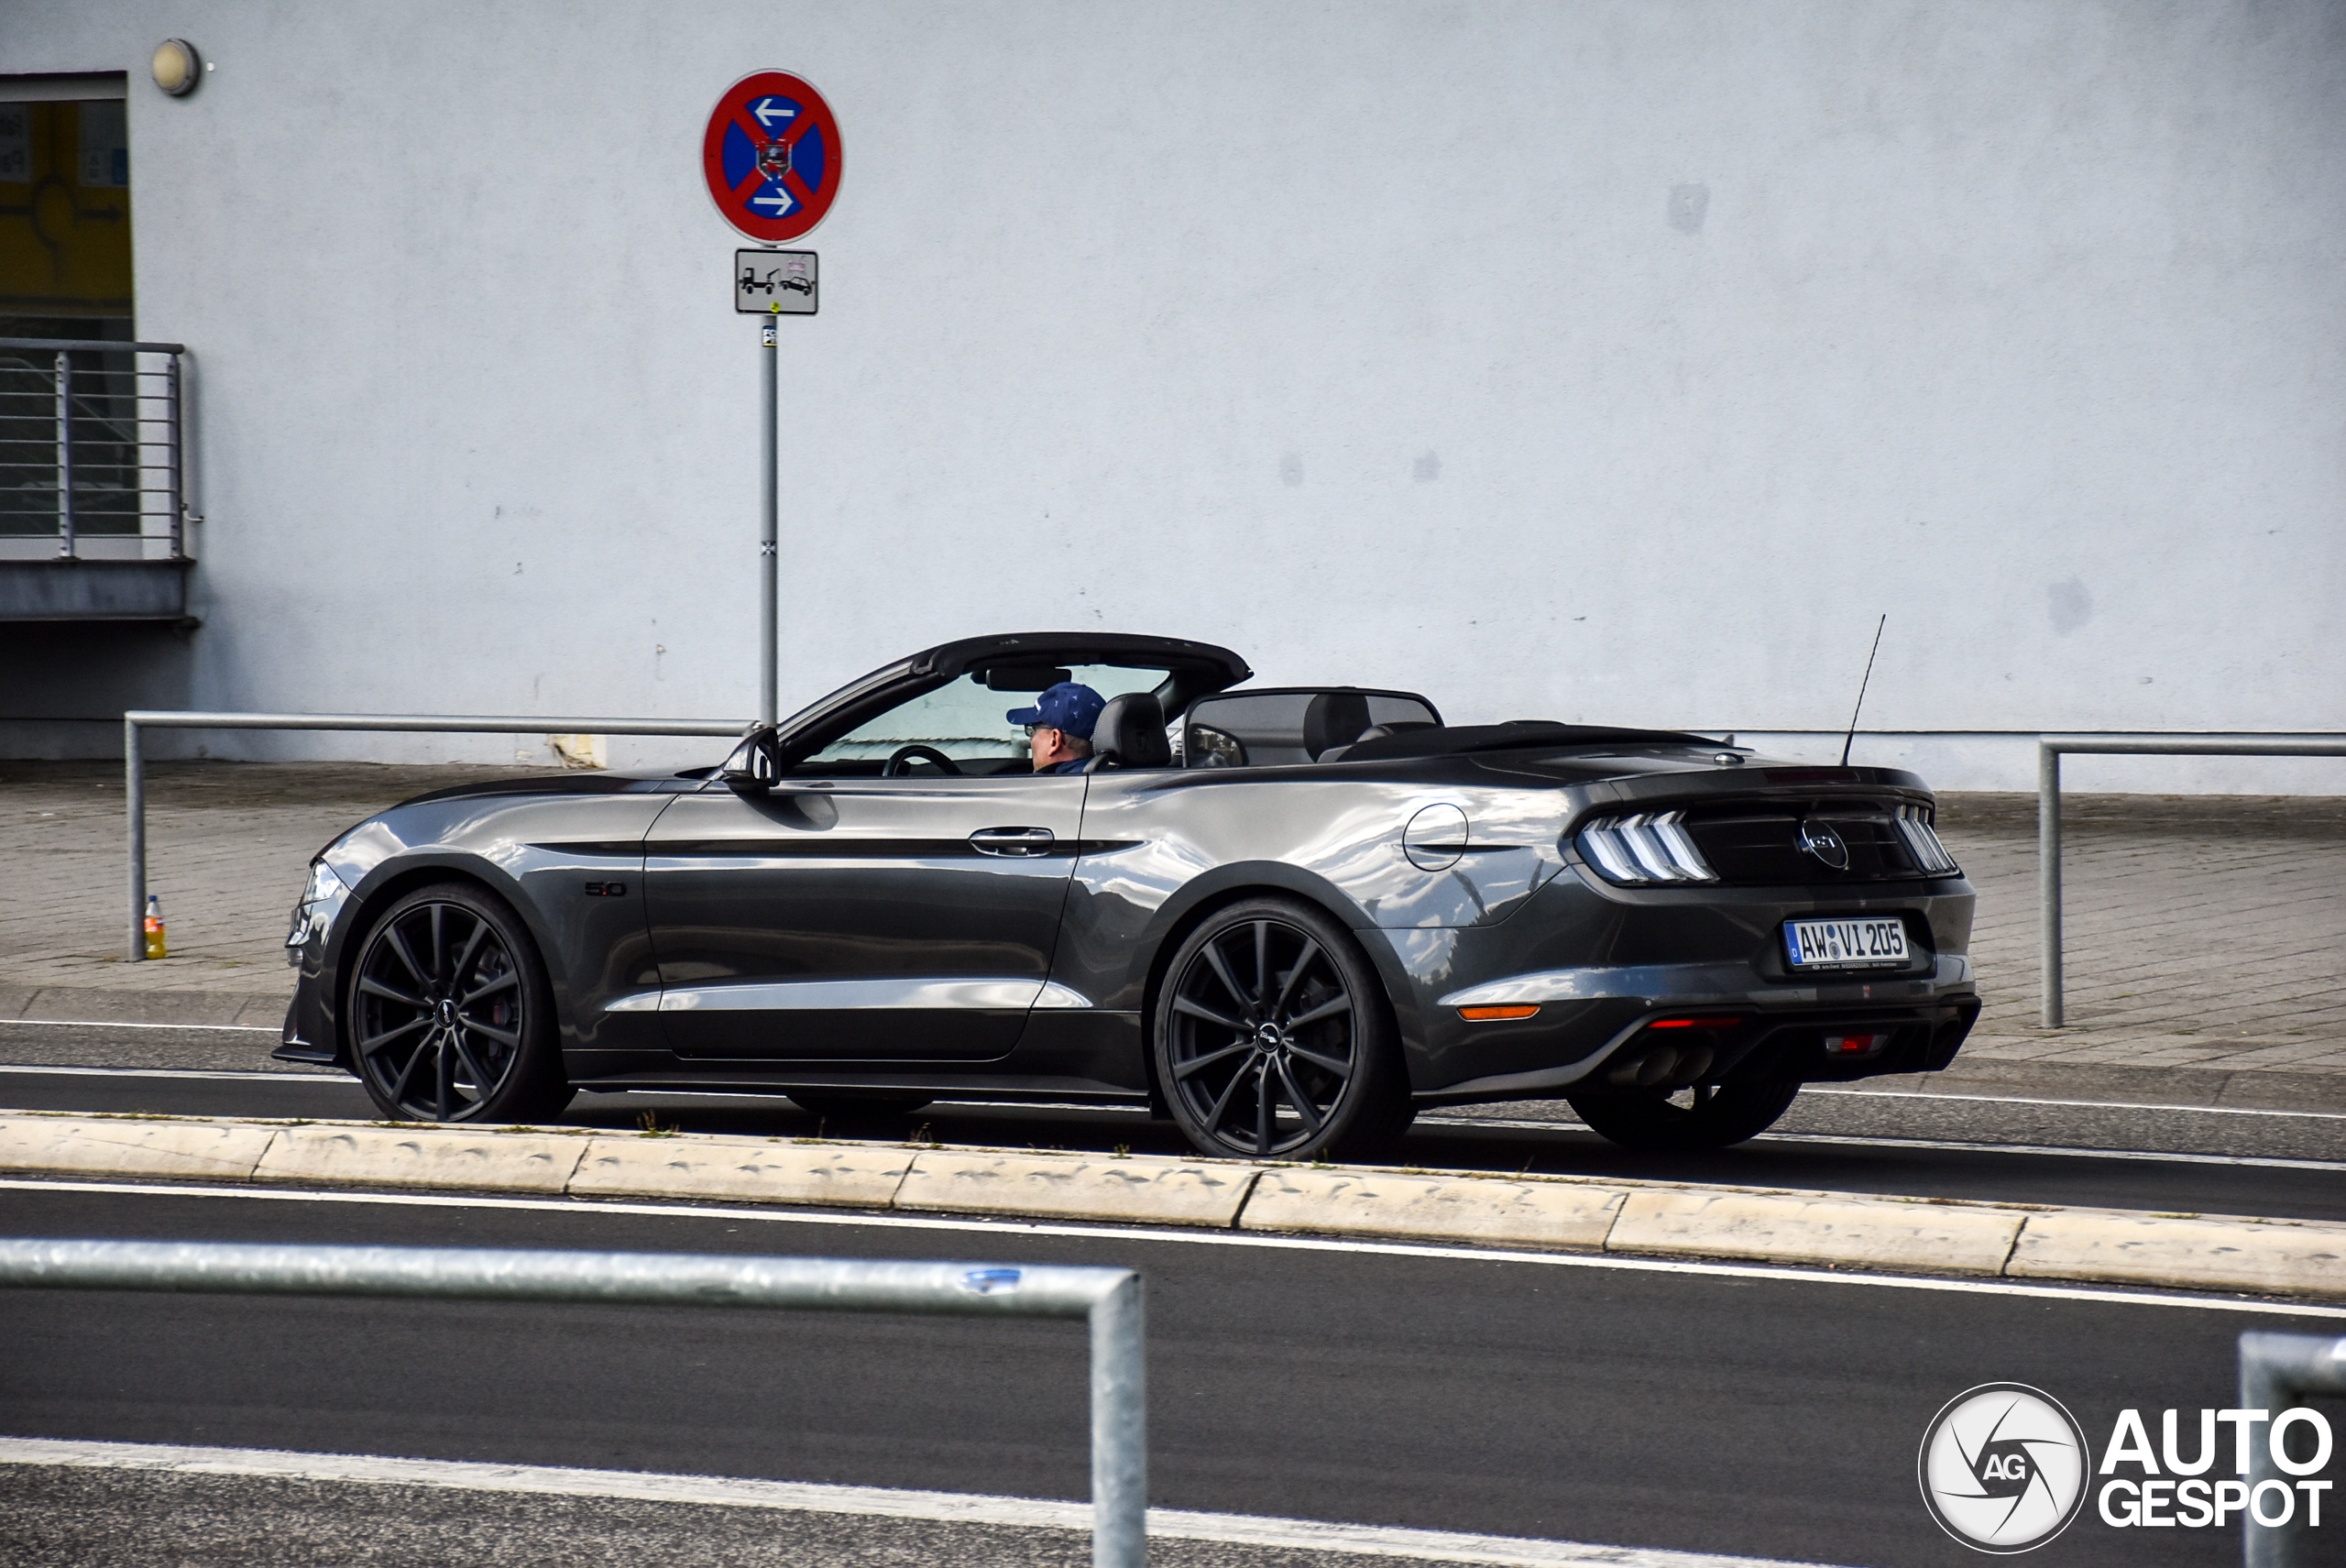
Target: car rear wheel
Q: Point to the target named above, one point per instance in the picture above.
(1272, 1038)
(1708, 1116)
(451, 1018)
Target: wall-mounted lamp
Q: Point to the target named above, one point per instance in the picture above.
(177, 70)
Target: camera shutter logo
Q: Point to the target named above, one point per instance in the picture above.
(2003, 1467)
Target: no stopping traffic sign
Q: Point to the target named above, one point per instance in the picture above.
(771, 156)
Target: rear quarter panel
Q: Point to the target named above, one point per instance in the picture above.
(1157, 847)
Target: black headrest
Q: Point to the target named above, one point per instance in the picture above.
(1130, 732)
(1334, 718)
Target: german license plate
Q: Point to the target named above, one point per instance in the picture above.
(1845, 944)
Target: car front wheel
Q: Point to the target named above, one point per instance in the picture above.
(1709, 1116)
(451, 1018)
(1272, 1039)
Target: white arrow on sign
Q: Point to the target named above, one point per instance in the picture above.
(769, 110)
(780, 201)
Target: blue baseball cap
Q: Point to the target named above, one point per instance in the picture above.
(1069, 705)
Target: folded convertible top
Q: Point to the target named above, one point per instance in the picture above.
(1518, 735)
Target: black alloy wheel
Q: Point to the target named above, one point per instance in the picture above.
(1272, 1038)
(451, 1018)
(1708, 1116)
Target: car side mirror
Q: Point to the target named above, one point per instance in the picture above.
(753, 768)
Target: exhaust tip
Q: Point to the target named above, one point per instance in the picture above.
(1644, 1068)
(1693, 1062)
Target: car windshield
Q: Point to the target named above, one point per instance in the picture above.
(965, 718)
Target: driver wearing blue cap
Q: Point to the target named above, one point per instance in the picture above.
(1060, 725)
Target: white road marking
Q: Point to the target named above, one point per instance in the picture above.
(335, 1077)
(1197, 1238)
(2078, 1104)
(1517, 1125)
(952, 1508)
(2274, 1161)
(1134, 1110)
(103, 1024)
(1974, 1147)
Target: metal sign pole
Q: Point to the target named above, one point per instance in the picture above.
(769, 285)
(770, 157)
(770, 559)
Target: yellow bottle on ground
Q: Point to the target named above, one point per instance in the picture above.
(155, 947)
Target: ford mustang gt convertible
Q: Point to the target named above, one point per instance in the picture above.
(1286, 918)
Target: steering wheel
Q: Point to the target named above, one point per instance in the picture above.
(897, 767)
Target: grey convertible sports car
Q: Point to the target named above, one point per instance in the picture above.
(1286, 918)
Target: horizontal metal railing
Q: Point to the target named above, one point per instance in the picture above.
(134, 773)
(1107, 1298)
(91, 444)
(2050, 748)
(2277, 1371)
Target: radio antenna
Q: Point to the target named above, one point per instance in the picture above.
(1850, 739)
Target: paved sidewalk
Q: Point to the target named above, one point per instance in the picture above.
(227, 847)
(2202, 931)
(2206, 951)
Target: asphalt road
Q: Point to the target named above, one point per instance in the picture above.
(63, 1517)
(1842, 1138)
(1678, 1407)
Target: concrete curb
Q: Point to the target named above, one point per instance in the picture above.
(1399, 1206)
(1148, 1188)
(1933, 1236)
(420, 1155)
(1805, 1227)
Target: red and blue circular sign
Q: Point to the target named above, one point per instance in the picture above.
(771, 156)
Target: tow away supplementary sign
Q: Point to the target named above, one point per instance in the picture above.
(771, 156)
(767, 282)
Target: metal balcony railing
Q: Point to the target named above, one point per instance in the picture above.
(91, 455)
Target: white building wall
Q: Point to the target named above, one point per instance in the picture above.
(1613, 362)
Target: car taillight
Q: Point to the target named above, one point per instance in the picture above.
(1648, 847)
(1914, 826)
(1855, 1045)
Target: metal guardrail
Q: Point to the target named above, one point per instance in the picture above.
(2050, 748)
(1109, 1299)
(134, 776)
(91, 442)
(2275, 1372)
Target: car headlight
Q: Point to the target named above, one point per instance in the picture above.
(313, 914)
(1648, 847)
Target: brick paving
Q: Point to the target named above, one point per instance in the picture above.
(227, 847)
(2200, 931)
(2204, 932)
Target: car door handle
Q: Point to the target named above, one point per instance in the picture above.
(1020, 841)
